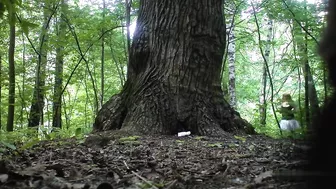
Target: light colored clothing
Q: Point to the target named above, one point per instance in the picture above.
(289, 125)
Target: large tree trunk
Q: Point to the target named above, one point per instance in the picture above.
(173, 80)
(321, 156)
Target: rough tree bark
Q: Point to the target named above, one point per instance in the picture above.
(173, 81)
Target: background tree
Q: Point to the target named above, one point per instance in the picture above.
(37, 106)
(60, 33)
(0, 89)
(302, 36)
(231, 52)
(11, 62)
(262, 95)
(102, 70)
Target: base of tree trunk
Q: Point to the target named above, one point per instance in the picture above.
(173, 74)
(158, 113)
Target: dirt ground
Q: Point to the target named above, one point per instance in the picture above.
(119, 160)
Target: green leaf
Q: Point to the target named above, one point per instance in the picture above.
(8, 145)
(19, 3)
(25, 25)
(29, 144)
(217, 144)
(48, 137)
(240, 138)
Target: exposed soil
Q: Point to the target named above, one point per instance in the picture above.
(111, 160)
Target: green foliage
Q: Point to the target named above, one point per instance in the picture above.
(180, 142)
(150, 184)
(26, 139)
(25, 25)
(29, 144)
(243, 139)
(130, 140)
(285, 59)
(233, 145)
(217, 145)
(8, 145)
(78, 102)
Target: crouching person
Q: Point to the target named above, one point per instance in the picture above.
(288, 109)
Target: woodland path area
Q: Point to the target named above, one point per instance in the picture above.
(129, 161)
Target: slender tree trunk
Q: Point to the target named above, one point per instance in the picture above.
(312, 109)
(57, 99)
(306, 102)
(0, 92)
(94, 87)
(312, 93)
(87, 101)
(267, 68)
(118, 65)
(311, 100)
(173, 81)
(11, 62)
(128, 22)
(66, 115)
(23, 103)
(36, 110)
(262, 94)
(102, 60)
(231, 65)
(23, 85)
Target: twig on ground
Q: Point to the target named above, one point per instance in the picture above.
(140, 177)
(171, 184)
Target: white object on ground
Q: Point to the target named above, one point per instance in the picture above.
(186, 133)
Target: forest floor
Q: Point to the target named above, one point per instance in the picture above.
(113, 160)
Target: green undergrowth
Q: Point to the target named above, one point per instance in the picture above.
(25, 139)
(130, 140)
(274, 132)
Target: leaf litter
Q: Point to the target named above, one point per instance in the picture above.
(118, 160)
